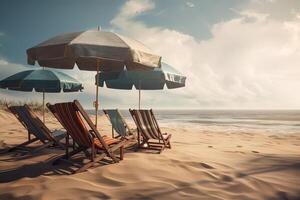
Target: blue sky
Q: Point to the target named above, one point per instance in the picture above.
(236, 53)
(26, 23)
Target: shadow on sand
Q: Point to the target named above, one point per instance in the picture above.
(269, 163)
(47, 165)
(261, 164)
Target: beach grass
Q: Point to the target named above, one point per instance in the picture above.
(34, 105)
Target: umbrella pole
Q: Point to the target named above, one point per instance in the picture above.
(43, 102)
(43, 106)
(97, 91)
(139, 94)
(139, 140)
(139, 99)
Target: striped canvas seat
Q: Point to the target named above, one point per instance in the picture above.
(148, 128)
(35, 127)
(118, 123)
(108, 140)
(72, 122)
(26, 118)
(76, 121)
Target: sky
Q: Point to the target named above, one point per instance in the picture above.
(236, 54)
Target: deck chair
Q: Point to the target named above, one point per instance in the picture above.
(149, 130)
(36, 128)
(73, 117)
(118, 123)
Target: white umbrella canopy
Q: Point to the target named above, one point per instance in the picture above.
(86, 48)
(93, 50)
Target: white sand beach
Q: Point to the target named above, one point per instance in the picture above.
(202, 164)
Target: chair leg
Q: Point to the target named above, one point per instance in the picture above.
(70, 154)
(121, 152)
(143, 142)
(113, 157)
(169, 142)
(162, 148)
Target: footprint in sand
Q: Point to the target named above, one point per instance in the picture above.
(240, 174)
(239, 146)
(255, 151)
(206, 166)
(210, 146)
(227, 178)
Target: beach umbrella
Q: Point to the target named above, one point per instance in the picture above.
(143, 80)
(45, 81)
(93, 50)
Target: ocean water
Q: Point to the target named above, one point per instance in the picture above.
(268, 121)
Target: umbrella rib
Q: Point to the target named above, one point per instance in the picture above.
(22, 80)
(58, 80)
(78, 36)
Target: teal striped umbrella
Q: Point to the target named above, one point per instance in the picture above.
(155, 79)
(45, 81)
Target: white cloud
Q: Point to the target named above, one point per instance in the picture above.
(8, 68)
(190, 4)
(251, 61)
(279, 10)
(131, 9)
(262, 1)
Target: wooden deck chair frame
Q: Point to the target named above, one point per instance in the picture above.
(86, 135)
(149, 130)
(129, 134)
(47, 139)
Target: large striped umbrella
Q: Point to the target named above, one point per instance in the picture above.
(93, 51)
(143, 80)
(45, 81)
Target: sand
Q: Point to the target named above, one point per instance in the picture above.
(202, 164)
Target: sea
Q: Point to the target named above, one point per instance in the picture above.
(267, 121)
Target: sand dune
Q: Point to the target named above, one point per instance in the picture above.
(202, 164)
